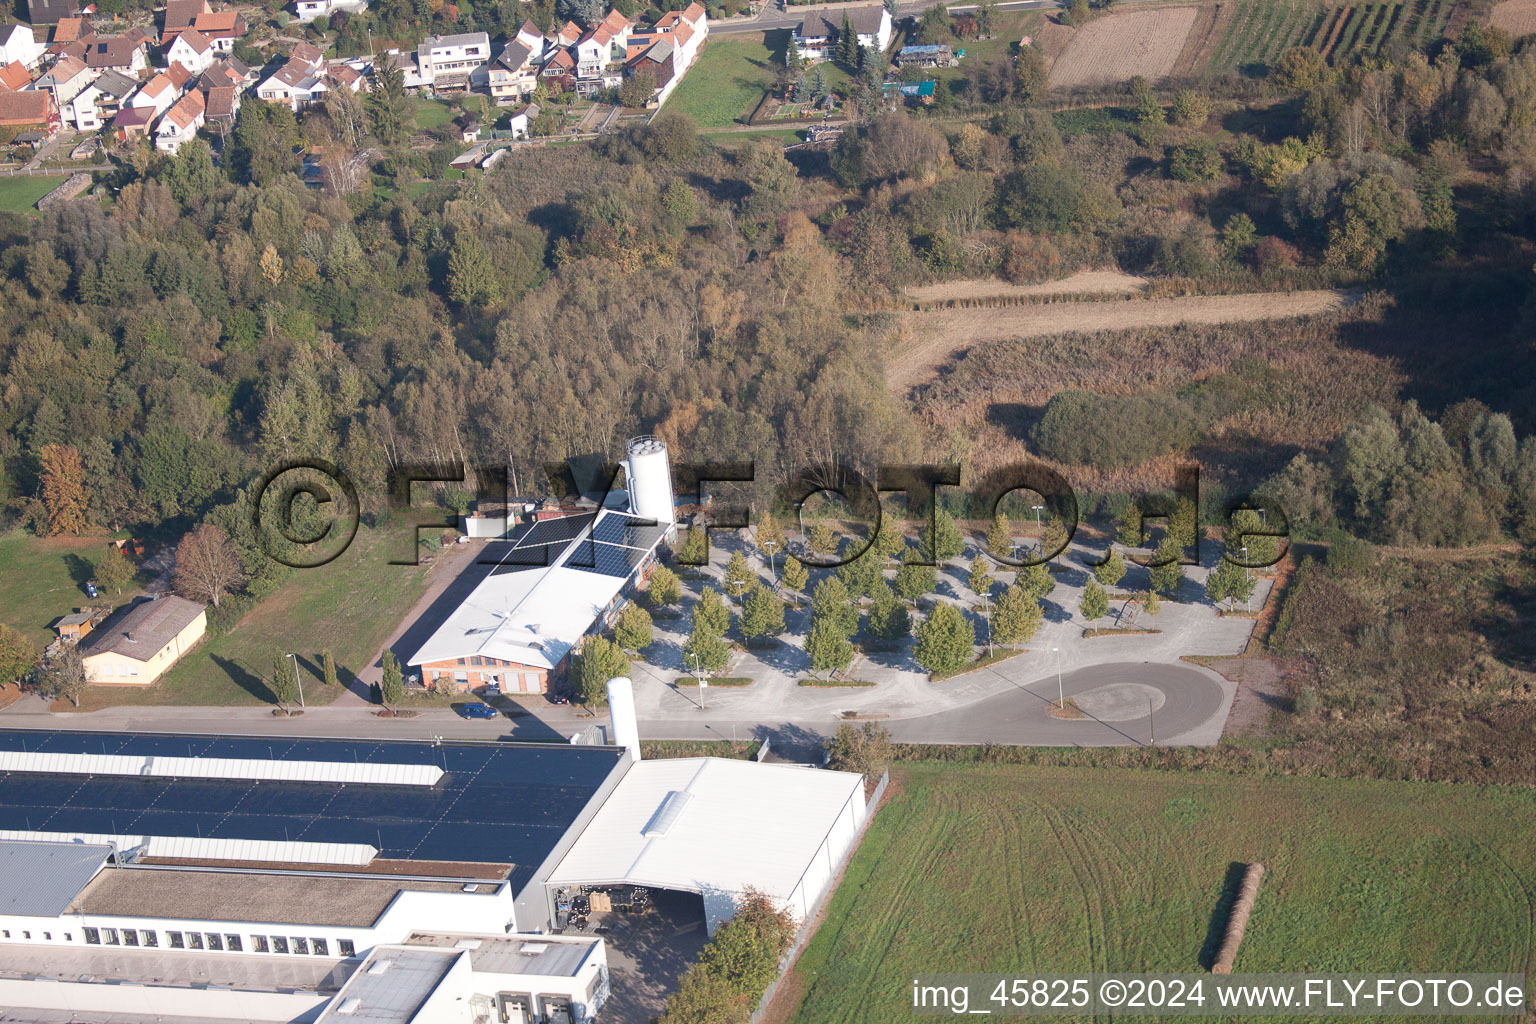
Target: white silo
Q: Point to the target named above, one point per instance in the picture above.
(650, 480)
(621, 715)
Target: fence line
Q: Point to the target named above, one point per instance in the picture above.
(806, 929)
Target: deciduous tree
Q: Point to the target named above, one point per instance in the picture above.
(633, 631)
(828, 646)
(63, 489)
(704, 651)
(1095, 601)
(1016, 616)
(866, 749)
(207, 565)
(710, 612)
(1111, 570)
(762, 613)
(664, 589)
(598, 661)
(64, 676)
(113, 570)
(795, 577)
(18, 655)
(945, 640)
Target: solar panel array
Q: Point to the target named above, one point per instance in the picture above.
(497, 803)
(615, 546)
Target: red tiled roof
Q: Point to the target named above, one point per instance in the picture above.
(178, 74)
(70, 29)
(180, 14)
(226, 22)
(18, 109)
(221, 101)
(185, 110)
(195, 39)
(14, 76)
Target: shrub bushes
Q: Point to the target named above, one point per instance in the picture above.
(1109, 431)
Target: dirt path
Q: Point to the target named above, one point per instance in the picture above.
(940, 335)
(1087, 282)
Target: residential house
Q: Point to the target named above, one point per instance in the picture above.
(447, 62)
(345, 76)
(296, 83)
(20, 47)
(128, 53)
(816, 36)
(513, 74)
(181, 122)
(192, 50)
(558, 73)
(133, 122)
(33, 110)
(221, 28)
(180, 15)
(50, 12)
(675, 42)
(136, 647)
(522, 121)
(222, 107)
(309, 10)
(14, 78)
(594, 52)
(567, 36)
(227, 71)
(310, 54)
(157, 94)
(100, 101)
(529, 35)
(65, 80)
(66, 33)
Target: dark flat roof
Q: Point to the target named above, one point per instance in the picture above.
(499, 803)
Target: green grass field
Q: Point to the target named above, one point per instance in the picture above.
(1261, 30)
(729, 77)
(431, 113)
(991, 868)
(351, 606)
(41, 579)
(20, 193)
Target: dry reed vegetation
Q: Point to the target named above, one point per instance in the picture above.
(1291, 384)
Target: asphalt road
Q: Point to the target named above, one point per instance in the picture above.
(1189, 706)
(773, 18)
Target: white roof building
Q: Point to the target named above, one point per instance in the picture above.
(553, 584)
(716, 827)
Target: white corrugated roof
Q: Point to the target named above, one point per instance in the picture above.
(372, 773)
(533, 616)
(743, 824)
(188, 847)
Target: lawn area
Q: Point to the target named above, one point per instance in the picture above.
(431, 113)
(735, 140)
(41, 579)
(351, 606)
(20, 193)
(994, 868)
(729, 77)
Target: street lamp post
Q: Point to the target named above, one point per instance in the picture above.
(986, 604)
(1061, 695)
(698, 677)
(805, 540)
(298, 680)
(769, 546)
(1039, 530)
(1248, 582)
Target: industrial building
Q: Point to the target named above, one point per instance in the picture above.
(254, 879)
(553, 582)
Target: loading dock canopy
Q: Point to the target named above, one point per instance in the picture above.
(717, 827)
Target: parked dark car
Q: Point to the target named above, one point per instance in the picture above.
(558, 697)
(477, 709)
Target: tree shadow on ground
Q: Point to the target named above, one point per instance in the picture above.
(1216, 930)
(244, 678)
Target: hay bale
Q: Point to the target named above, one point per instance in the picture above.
(1237, 921)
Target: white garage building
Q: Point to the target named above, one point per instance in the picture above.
(717, 827)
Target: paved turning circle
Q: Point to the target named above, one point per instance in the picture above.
(1188, 705)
